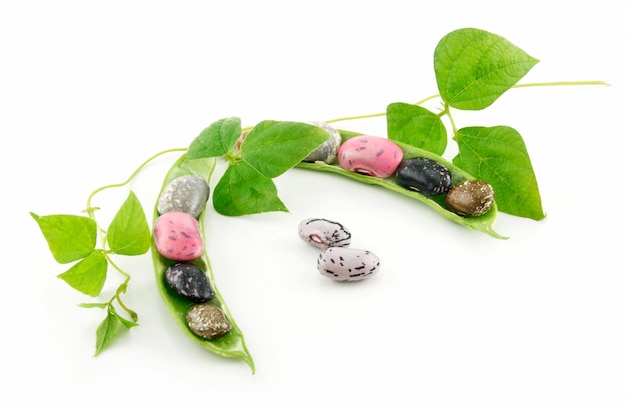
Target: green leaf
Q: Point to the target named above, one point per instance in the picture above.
(129, 233)
(498, 156)
(126, 323)
(107, 331)
(88, 275)
(243, 190)
(216, 140)
(274, 147)
(474, 67)
(416, 126)
(69, 237)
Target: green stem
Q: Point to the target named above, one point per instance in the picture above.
(119, 270)
(350, 118)
(559, 83)
(90, 210)
(121, 289)
(531, 84)
(446, 111)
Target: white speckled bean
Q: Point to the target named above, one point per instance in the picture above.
(346, 264)
(187, 194)
(323, 233)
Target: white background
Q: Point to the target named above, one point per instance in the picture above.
(454, 319)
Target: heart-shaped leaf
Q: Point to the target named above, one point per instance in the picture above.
(474, 67)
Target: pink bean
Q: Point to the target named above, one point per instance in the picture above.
(370, 155)
(177, 236)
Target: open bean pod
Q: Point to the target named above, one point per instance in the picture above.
(483, 223)
(232, 344)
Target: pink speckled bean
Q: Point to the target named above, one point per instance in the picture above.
(177, 236)
(370, 155)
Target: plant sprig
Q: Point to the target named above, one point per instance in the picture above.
(73, 239)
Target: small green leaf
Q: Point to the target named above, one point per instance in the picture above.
(107, 331)
(88, 275)
(274, 147)
(69, 237)
(498, 156)
(126, 323)
(416, 126)
(129, 233)
(474, 67)
(243, 190)
(216, 140)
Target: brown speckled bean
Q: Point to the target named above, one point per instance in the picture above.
(471, 198)
(207, 321)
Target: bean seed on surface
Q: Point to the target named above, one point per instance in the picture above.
(424, 175)
(187, 194)
(471, 198)
(177, 236)
(370, 156)
(323, 233)
(347, 264)
(189, 281)
(207, 321)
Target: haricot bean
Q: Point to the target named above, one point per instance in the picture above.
(177, 236)
(208, 321)
(190, 282)
(471, 198)
(324, 233)
(424, 175)
(347, 264)
(370, 156)
(187, 193)
(337, 261)
(326, 152)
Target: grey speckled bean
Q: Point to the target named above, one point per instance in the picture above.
(186, 194)
(346, 264)
(323, 233)
(326, 152)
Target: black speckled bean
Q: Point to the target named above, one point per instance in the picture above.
(424, 175)
(190, 282)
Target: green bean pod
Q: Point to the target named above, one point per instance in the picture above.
(231, 345)
(483, 223)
